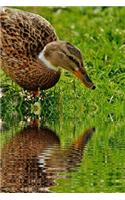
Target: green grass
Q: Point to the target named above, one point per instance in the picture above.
(100, 34)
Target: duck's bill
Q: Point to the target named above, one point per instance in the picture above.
(82, 75)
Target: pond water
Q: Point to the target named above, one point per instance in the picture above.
(63, 153)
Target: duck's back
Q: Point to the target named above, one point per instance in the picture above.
(24, 32)
(23, 37)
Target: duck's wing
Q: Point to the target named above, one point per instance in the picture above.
(24, 33)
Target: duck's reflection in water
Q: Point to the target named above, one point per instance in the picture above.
(34, 159)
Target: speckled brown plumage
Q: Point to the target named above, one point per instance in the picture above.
(23, 37)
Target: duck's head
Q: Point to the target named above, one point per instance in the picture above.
(62, 54)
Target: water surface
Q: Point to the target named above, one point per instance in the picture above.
(72, 155)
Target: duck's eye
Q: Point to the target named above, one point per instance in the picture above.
(74, 60)
(73, 50)
(68, 43)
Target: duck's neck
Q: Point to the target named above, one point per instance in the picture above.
(46, 62)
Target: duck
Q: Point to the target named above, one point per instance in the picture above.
(32, 54)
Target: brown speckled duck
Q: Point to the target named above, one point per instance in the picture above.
(32, 54)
